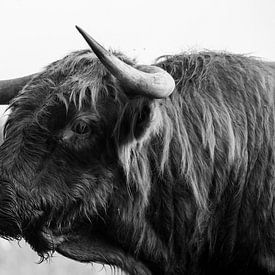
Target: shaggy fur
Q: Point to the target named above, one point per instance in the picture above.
(182, 185)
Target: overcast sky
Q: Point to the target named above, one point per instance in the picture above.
(35, 33)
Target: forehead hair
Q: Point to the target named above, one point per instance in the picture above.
(76, 78)
(84, 77)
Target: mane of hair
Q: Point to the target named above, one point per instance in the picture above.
(209, 125)
(222, 103)
(213, 137)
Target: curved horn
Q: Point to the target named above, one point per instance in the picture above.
(10, 88)
(151, 81)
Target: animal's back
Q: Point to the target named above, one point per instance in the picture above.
(226, 105)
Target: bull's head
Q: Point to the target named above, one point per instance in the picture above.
(68, 181)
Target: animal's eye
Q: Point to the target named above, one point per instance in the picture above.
(81, 127)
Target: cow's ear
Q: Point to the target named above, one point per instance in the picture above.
(136, 120)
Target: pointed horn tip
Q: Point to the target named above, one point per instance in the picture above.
(86, 36)
(82, 32)
(98, 49)
(78, 28)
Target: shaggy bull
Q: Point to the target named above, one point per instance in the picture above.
(164, 169)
